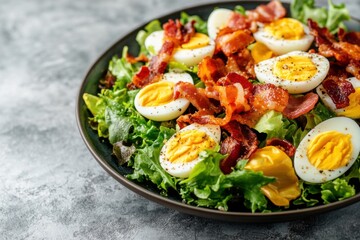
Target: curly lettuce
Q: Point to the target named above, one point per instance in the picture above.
(208, 186)
(332, 17)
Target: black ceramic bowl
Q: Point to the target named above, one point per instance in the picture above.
(102, 151)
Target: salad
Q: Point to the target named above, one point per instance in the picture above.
(247, 110)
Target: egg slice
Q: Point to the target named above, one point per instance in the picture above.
(351, 111)
(180, 153)
(156, 101)
(297, 72)
(285, 35)
(217, 20)
(190, 53)
(328, 150)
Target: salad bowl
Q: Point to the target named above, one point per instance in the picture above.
(102, 149)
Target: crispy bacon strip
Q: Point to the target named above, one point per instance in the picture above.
(350, 37)
(108, 81)
(240, 145)
(141, 58)
(157, 66)
(283, 144)
(267, 13)
(230, 42)
(298, 106)
(196, 97)
(177, 33)
(338, 90)
(210, 70)
(238, 21)
(269, 97)
(346, 51)
(354, 68)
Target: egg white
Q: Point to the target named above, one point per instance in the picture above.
(264, 72)
(189, 57)
(170, 110)
(309, 173)
(283, 46)
(326, 99)
(183, 170)
(217, 20)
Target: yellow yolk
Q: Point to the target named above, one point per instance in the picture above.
(261, 52)
(197, 41)
(186, 146)
(295, 68)
(353, 110)
(286, 28)
(330, 150)
(273, 162)
(156, 94)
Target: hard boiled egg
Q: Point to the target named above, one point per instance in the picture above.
(180, 153)
(328, 150)
(190, 53)
(285, 35)
(156, 101)
(217, 20)
(297, 72)
(351, 111)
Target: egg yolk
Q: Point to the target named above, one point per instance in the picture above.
(185, 146)
(260, 52)
(156, 94)
(330, 150)
(197, 41)
(353, 110)
(295, 68)
(286, 28)
(273, 162)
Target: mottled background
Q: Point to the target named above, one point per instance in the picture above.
(50, 185)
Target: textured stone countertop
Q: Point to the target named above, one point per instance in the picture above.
(50, 185)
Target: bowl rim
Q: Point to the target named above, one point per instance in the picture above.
(244, 217)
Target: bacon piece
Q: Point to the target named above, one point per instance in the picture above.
(232, 147)
(230, 42)
(141, 58)
(283, 144)
(240, 145)
(298, 106)
(267, 13)
(338, 90)
(269, 97)
(108, 81)
(210, 70)
(238, 21)
(232, 78)
(354, 68)
(346, 51)
(156, 68)
(232, 99)
(177, 33)
(196, 97)
(350, 37)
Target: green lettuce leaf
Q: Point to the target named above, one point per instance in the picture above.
(332, 17)
(147, 166)
(336, 190)
(122, 69)
(200, 25)
(207, 186)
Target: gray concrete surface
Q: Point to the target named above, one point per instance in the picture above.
(50, 185)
